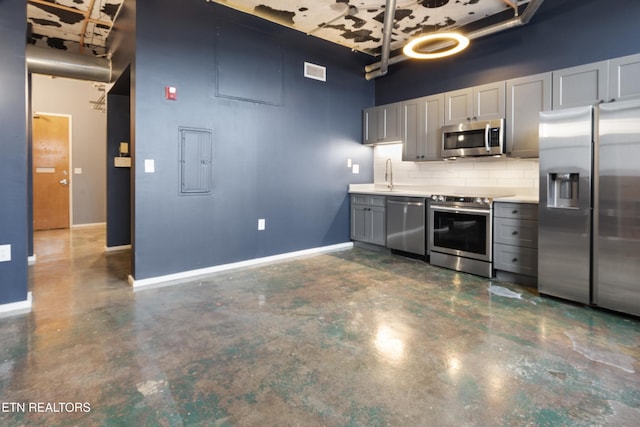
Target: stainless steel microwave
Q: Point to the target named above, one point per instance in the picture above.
(483, 138)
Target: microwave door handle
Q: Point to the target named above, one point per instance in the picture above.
(486, 137)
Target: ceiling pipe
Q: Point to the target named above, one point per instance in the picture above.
(59, 63)
(375, 70)
(389, 17)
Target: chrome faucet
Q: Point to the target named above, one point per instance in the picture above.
(388, 174)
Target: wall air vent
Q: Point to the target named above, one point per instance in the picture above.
(316, 72)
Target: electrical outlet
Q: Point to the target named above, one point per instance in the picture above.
(262, 224)
(355, 169)
(5, 253)
(149, 166)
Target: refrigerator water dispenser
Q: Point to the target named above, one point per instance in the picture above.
(563, 190)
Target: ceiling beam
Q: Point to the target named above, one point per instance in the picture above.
(85, 23)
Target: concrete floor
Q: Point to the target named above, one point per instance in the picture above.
(353, 338)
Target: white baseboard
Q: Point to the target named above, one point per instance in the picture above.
(15, 308)
(116, 248)
(152, 281)
(95, 224)
(31, 260)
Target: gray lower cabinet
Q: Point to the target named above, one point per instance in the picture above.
(526, 98)
(368, 219)
(515, 238)
(422, 121)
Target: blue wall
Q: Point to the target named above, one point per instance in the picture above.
(563, 33)
(118, 178)
(13, 146)
(285, 163)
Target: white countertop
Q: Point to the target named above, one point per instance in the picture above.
(497, 193)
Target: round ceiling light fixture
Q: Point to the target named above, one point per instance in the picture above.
(412, 49)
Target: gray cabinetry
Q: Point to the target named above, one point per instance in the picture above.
(581, 85)
(422, 120)
(484, 102)
(624, 78)
(381, 124)
(368, 219)
(526, 98)
(515, 239)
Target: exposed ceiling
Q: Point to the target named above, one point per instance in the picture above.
(80, 26)
(357, 24)
(83, 26)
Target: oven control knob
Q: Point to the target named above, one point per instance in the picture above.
(487, 200)
(478, 200)
(434, 198)
(441, 198)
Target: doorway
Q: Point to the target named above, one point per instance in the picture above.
(51, 178)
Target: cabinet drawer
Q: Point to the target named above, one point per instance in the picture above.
(516, 210)
(518, 232)
(369, 200)
(515, 259)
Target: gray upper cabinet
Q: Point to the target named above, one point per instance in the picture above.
(381, 124)
(458, 106)
(624, 78)
(526, 98)
(484, 102)
(489, 101)
(422, 121)
(581, 85)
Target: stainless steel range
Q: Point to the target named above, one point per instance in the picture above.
(460, 233)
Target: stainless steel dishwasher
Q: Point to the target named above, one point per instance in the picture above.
(406, 224)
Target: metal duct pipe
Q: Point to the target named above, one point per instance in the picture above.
(60, 63)
(389, 17)
(375, 70)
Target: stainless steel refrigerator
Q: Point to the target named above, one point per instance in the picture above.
(589, 212)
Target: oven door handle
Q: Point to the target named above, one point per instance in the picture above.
(452, 209)
(486, 137)
(393, 202)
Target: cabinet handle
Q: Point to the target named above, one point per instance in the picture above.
(514, 260)
(612, 100)
(468, 119)
(514, 233)
(514, 212)
(475, 118)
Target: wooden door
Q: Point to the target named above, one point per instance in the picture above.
(50, 172)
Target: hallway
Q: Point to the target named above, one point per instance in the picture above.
(352, 338)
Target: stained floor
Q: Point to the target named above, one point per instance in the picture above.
(352, 338)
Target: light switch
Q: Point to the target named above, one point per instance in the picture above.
(77, 171)
(355, 169)
(349, 163)
(5, 253)
(149, 166)
(261, 224)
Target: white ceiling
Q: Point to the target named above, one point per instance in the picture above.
(84, 25)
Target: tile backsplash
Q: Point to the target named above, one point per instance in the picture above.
(475, 172)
